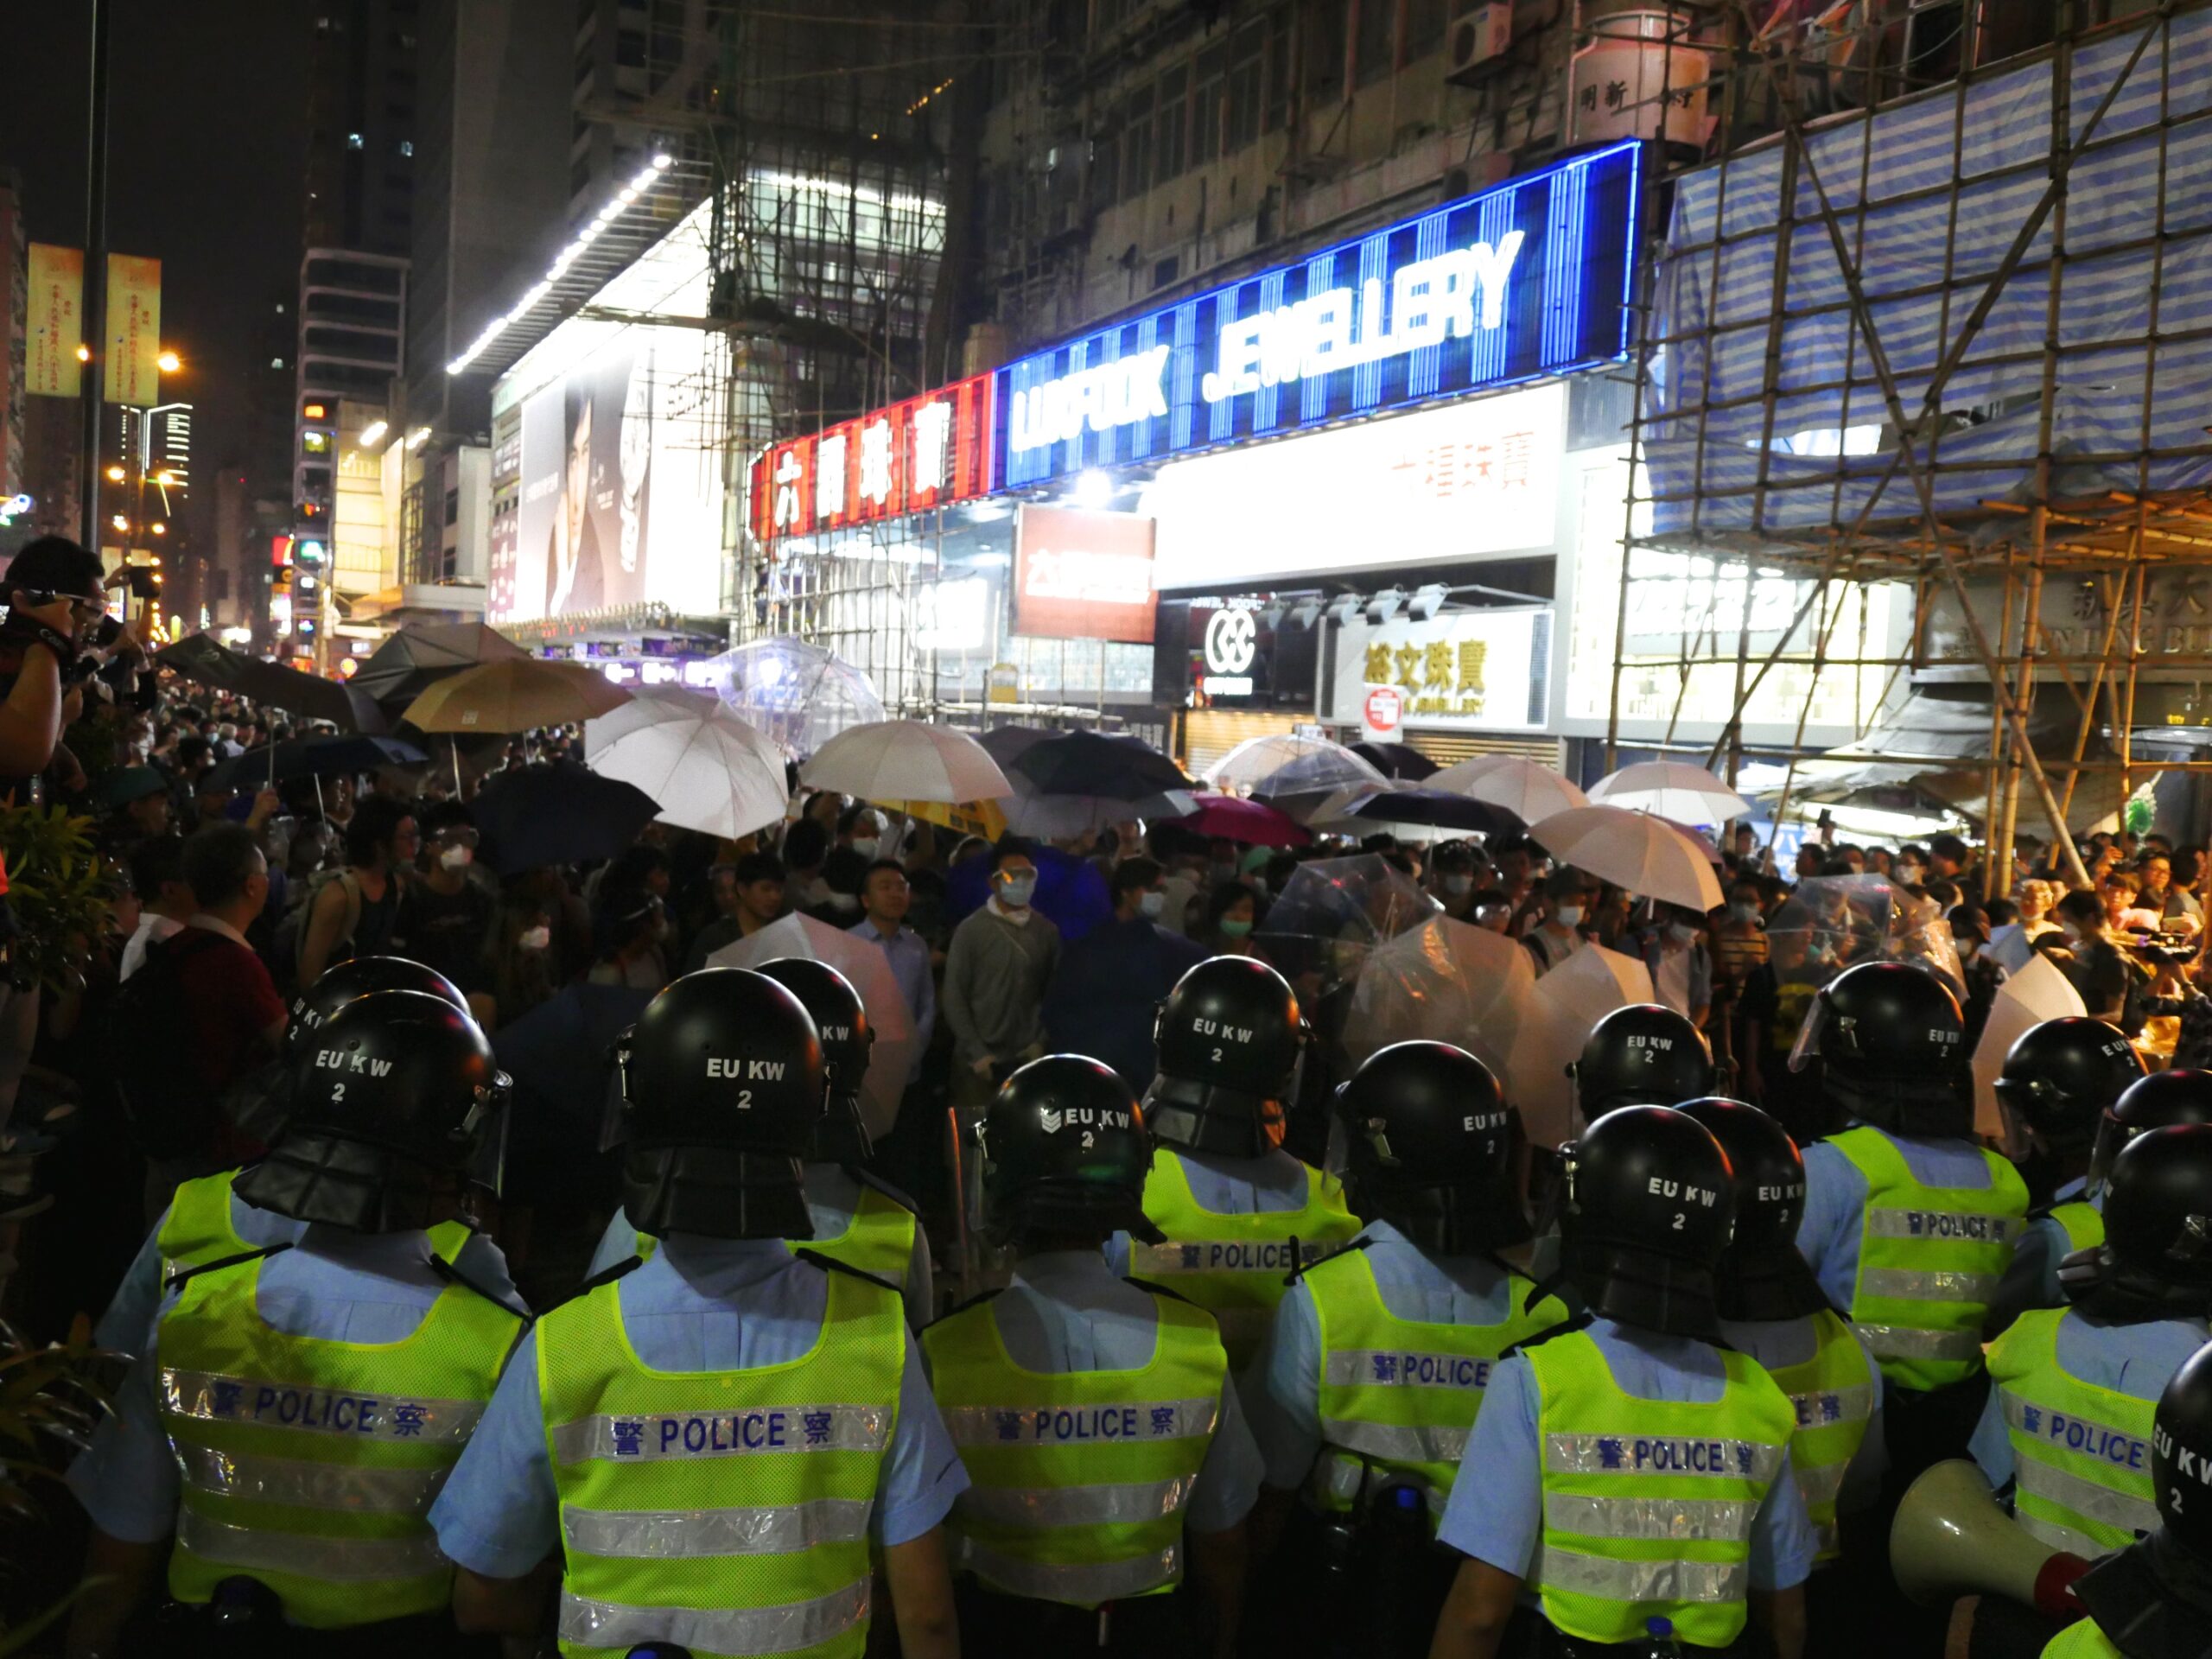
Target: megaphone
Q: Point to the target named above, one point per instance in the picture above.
(1951, 1538)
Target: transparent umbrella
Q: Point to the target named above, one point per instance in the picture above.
(1280, 763)
(1555, 1022)
(799, 694)
(1835, 922)
(1333, 911)
(1446, 981)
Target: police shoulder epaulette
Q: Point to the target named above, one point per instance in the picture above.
(868, 1179)
(830, 1264)
(1302, 1267)
(1566, 1328)
(183, 1275)
(1156, 1289)
(2043, 1212)
(604, 1276)
(453, 1275)
(974, 1302)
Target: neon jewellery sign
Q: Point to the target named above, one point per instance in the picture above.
(1527, 280)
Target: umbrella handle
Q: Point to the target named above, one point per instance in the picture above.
(959, 1204)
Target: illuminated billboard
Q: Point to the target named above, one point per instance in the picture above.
(926, 452)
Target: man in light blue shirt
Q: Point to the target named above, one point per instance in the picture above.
(886, 897)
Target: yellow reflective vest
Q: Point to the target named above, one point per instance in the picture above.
(1235, 1266)
(1832, 1395)
(2083, 1640)
(197, 1229)
(878, 1241)
(2081, 1454)
(724, 1512)
(1080, 1478)
(1649, 1504)
(310, 1465)
(1929, 1259)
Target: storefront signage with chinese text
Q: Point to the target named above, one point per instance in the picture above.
(926, 452)
(1082, 576)
(1527, 280)
(1486, 670)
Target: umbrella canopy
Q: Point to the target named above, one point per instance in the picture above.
(1249, 822)
(863, 962)
(558, 814)
(514, 695)
(2038, 991)
(906, 760)
(1834, 922)
(1643, 855)
(708, 769)
(1333, 911)
(1092, 763)
(201, 658)
(800, 694)
(1672, 789)
(1445, 982)
(1030, 812)
(1434, 809)
(1555, 1021)
(560, 1058)
(1280, 763)
(1399, 761)
(1530, 791)
(309, 757)
(412, 660)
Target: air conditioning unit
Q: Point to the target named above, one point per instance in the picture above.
(1479, 44)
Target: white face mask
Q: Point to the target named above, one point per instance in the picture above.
(1153, 904)
(1747, 914)
(1016, 894)
(1680, 932)
(1458, 886)
(536, 939)
(865, 846)
(457, 858)
(1568, 915)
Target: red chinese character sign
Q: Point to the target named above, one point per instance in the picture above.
(926, 452)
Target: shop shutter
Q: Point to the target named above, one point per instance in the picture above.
(1208, 734)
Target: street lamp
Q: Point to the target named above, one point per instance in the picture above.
(169, 362)
(160, 529)
(115, 474)
(121, 524)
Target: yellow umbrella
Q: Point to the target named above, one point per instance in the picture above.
(515, 694)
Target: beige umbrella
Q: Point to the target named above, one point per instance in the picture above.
(863, 962)
(515, 694)
(906, 760)
(1445, 982)
(2038, 991)
(1531, 793)
(1635, 851)
(1673, 789)
(1555, 1021)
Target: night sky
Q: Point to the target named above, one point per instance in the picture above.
(206, 161)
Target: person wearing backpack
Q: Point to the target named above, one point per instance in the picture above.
(352, 913)
(198, 1016)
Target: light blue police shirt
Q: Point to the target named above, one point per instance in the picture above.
(832, 1196)
(2137, 1360)
(1496, 1511)
(2044, 1245)
(131, 1315)
(700, 1305)
(1835, 1201)
(1066, 1310)
(334, 1285)
(1231, 1186)
(1777, 1342)
(1285, 1406)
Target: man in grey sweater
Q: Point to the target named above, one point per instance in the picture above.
(1003, 957)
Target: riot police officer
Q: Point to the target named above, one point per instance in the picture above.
(207, 1219)
(1380, 1354)
(1131, 1470)
(300, 1404)
(1587, 1434)
(2140, 1302)
(1235, 1210)
(2059, 1078)
(713, 1438)
(1772, 1308)
(1644, 1054)
(858, 1220)
(2157, 1593)
(2178, 1095)
(1909, 1223)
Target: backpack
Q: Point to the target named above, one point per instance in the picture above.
(289, 942)
(170, 1107)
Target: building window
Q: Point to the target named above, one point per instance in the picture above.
(630, 48)
(1279, 47)
(1136, 145)
(407, 147)
(1374, 48)
(353, 140)
(1205, 105)
(1247, 56)
(1105, 172)
(1167, 146)
(453, 506)
(1324, 51)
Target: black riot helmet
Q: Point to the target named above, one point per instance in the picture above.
(1065, 1152)
(2181, 1455)
(358, 977)
(847, 1037)
(1430, 1143)
(2064, 1075)
(1229, 1038)
(1891, 1043)
(1647, 1211)
(722, 1093)
(2179, 1096)
(1640, 1055)
(2156, 1260)
(1761, 1276)
(394, 1100)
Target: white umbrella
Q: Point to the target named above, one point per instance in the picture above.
(1645, 855)
(708, 769)
(1555, 1021)
(1280, 763)
(2038, 991)
(862, 961)
(906, 760)
(1446, 981)
(1673, 789)
(1531, 793)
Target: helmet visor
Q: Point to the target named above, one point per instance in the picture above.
(1806, 1048)
(486, 1128)
(614, 1118)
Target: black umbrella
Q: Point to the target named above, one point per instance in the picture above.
(201, 658)
(306, 757)
(1087, 763)
(1399, 761)
(412, 660)
(558, 814)
(1439, 809)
